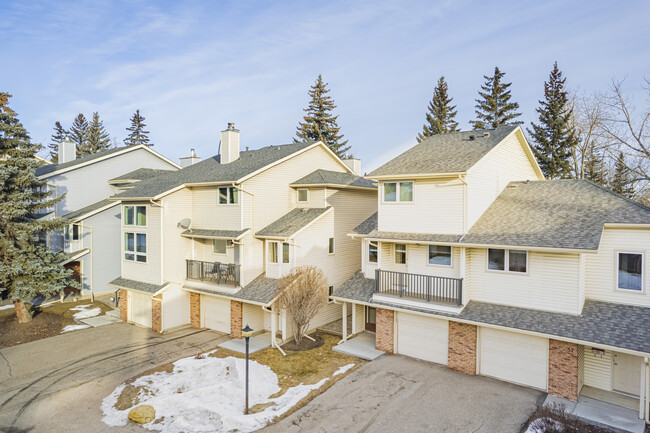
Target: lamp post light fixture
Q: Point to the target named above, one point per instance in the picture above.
(246, 333)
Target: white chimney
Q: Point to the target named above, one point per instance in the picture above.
(189, 160)
(67, 150)
(354, 164)
(229, 144)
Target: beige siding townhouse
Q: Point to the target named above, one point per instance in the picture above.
(474, 261)
(219, 233)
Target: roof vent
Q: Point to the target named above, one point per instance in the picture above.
(472, 137)
(486, 134)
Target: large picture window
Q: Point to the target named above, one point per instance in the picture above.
(507, 260)
(398, 191)
(630, 271)
(135, 247)
(135, 215)
(440, 255)
(228, 195)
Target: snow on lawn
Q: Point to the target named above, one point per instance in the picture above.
(69, 328)
(343, 369)
(540, 424)
(84, 312)
(207, 395)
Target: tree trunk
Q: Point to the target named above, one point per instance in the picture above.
(24, 316)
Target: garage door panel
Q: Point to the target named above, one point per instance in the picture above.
(216, 313)
(514, 357)
(140, 308)
(423, 337)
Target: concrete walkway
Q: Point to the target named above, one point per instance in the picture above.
(601, 414)
(257, 342)
(361, 346)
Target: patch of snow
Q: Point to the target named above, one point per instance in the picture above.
(84, 312)
(343, 369)
(6, 307)
(207, 395)
(538, 426)
(69, 328)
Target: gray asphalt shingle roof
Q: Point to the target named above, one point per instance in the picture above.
(416, 237)
(261, 290)
(140, 174)
(367, 226)
(617, 325)
(445, 153)
(139, 286)
(218, 234)
(328, 177)
(50, 168)
(288, 224)
(211, 170)
(79, 213)
(554, 214)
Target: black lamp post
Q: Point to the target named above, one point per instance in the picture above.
(246, 333)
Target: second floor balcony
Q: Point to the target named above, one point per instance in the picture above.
(422, 288)
(226, 274)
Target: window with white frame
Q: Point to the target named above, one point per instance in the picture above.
(285, 252)
(228, 195)
(72, 232)
(219, 246)
(372, 252)
(440, 255)
(507, 260)
(278, 252)
(135, 247)
(273, 252)
(400, 254)
(303, 195)
(629, 274)
(135, 215)
(398, 192)
(330, 248)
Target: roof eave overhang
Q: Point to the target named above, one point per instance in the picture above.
(227, 296)
(157, 292)
(228, 238)
(91, 213)
(415, 176)
(627, 226)
(76, 256)
(333, 186)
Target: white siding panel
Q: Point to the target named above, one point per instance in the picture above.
(598, 370)
(207, 214)
(253, 316)
(176, 307)
(106, 241)
(360, 317)
(417, 262)
(551, 283)
(176, 248)
(422, 337)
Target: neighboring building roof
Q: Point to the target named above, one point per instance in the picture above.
(616, 325)
(367, 226)
(292, 222)
(82, 213)
(262, 290)
(211, 170)
(554, 214)
(445, 153)
(334, 178)
(215, 234)
(138, 286)
(415, 237)
(51, 168)
(139, 174)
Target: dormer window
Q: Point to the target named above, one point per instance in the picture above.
(398, 192)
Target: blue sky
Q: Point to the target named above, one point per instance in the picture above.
(191, 66)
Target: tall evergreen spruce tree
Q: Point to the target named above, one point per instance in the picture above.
(494, 108)
(595, 169)
(138, 134)
(57, 137)
(441, 114)
(97, 139)
(621, 181)
(554, 136)
(27, 267)
(319, 124)
(78, 133)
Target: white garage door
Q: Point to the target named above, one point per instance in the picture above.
(514, 357)
(422, 337)
(216, 313)
(140, 308)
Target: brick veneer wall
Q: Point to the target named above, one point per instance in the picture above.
(156, 313)
(563, 369)
(461, 356)
(385, 330)
(236, 317)
(195, 310)
(124, 305)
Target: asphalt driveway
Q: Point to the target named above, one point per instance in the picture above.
(400, 394)
(57, 384)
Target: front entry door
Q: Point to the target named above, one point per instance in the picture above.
(371, 319)
(627, 373)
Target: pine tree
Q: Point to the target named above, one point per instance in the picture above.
(595, 169)
(554, 136)
(78, 133)
(621, 181)
(319, 124)
(57, 137)
(494, 108)
(27, 268)
(97, 139)
(440, 117)
(138, 134)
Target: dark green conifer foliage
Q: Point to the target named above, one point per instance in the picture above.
(78, 133)
(595, 169)
(27, 266)
(57, 137)
(621, 182)
(494, 108)
(554, 137)
(440, 115)
(319, 124)
(97, 139)
(138, 135)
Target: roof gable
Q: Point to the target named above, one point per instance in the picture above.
(334, 178)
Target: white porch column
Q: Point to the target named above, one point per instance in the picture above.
(274, 325)
(283, 324)
(345, 321)
(354, 319)
(463, 274)
(642, 395)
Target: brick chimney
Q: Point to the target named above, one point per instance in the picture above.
(229, 144)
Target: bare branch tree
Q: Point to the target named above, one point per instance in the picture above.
(587, 119)
(303, 292)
